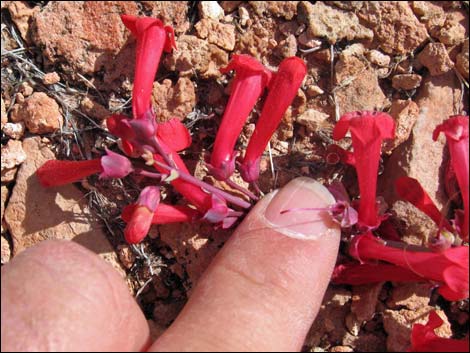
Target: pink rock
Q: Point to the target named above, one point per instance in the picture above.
(12, 154)
(405, 113)
(406, 81)
(210, 10)
(329, 322)
(455, 28)
(86, 37)
(173, 13)
(4, 117)
(5, 250)
(40, 114)
(14, 130)
(462, 63)
(194, 245)
(285, 9)
(196, 56)
(364, 301)
(396, 28)
(357, 86)
(436, 59)
(94, 109)
(230, 6)
(259, 39)
(21, 14)
(410, 295)
(51, 78)
(171, 101)
(287, 47)
(220, 34)
(334, 24)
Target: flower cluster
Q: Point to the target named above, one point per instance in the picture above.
(443, 264)
(158, 144)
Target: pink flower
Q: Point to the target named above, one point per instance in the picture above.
(456, 130)
(152, 39)
(424, 339)
(368, 129)
(249, 83)
(56, 173)
(410, 189)
(282, 91)
(448, 268)
(114, 165)
(142, 217)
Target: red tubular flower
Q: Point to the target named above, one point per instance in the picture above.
(141, 219)
(249, 83)
(282, 91)
(456, 130)
(164, 214)
(424, 339)
(152, 39)
(56, 173)
(449, 268)
(368, 129)
(358, 274)
(410, 189)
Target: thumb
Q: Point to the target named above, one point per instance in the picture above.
(264, 288)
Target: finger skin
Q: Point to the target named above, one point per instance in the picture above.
(59, 296)
(262, 291)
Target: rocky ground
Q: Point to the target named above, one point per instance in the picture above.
(66, 66)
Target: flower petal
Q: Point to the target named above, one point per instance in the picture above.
(56, 173)
(174, 134)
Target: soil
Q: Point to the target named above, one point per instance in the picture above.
(66, 66)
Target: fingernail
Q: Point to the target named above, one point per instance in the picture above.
(297, 197)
